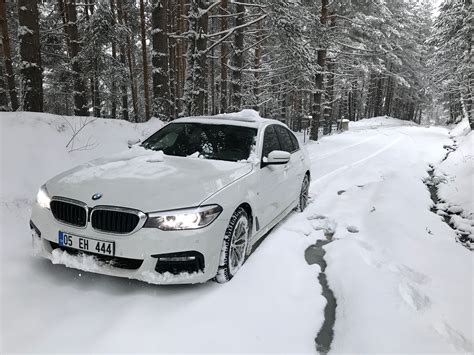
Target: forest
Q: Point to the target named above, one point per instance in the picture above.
(304, 62)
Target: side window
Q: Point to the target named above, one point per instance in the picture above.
(285, 139)
(270, 141)
(296, 144)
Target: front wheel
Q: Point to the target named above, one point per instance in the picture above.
(304, 194)
(234, 246)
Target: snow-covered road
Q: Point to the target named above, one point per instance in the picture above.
(401, 282)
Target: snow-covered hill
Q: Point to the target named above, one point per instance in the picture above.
(401, 282)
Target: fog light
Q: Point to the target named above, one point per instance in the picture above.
(176, 263)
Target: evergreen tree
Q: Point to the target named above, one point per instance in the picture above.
(31, 70)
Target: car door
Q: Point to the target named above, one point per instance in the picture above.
(271, 180)
(294, 168)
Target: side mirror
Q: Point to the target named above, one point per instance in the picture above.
(132, 142)
(276, 157)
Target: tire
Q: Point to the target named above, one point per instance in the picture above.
(236, 239)
(304, 194)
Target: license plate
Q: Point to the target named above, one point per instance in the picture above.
(86, 244)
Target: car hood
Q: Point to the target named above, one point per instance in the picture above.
(147, 180)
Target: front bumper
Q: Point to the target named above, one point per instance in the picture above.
(139, 256)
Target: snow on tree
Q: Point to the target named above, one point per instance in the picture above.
(288, 59)
(454, 74)
(30, 56)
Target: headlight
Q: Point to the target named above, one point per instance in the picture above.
(189, 218)
(42, 198)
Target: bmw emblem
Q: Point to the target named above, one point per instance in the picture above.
(96, 196)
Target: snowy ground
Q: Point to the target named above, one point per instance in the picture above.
(401, 282)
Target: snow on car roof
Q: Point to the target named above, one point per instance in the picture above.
(247, 118)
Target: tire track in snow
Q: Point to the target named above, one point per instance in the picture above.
(323, 156)
(316, 252)
(346, 167)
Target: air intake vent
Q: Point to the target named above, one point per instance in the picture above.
(69, 213)
(114, 221)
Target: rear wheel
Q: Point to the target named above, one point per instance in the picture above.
(234, 246)
(304, 194)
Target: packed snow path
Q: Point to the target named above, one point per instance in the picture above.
(401, 282)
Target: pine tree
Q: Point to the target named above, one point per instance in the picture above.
(195, 90)
(145, 61)
(10, 75)
(160, 60)
(454, 31)
(238, 57)
(30, 67)
(74, 42)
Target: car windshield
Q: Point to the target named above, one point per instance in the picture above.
(209, 141)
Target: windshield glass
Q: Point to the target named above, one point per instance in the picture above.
(210, 141)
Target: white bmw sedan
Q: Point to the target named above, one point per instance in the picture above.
(184, 206)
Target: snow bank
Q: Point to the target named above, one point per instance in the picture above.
(33, 146)
(402, 283)
(378, 122)
(457, 187)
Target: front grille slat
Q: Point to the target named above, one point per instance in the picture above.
(68, 212)
(114, 221)
(103, 218)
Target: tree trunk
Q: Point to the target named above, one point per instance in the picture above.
(80, 93)
(113, 102)
(122, 18)
(31, 71)
(238, 58)
(145, 61)
(96, 102)
(200, 95)
(8, 58)
(257, 65)
(181, 59)
(123, 86)
(161, 88)
(172, 55)
(212, 84)
(328, 107)
(196, 80)
(319, 80)
(3, 87)
(131, 65)
(379, 97)
(224, 56)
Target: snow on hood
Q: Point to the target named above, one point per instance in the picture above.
(133, 163)
(147, 180)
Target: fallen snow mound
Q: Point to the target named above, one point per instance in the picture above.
(246, 115)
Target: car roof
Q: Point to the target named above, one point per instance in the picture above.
(245, 118)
